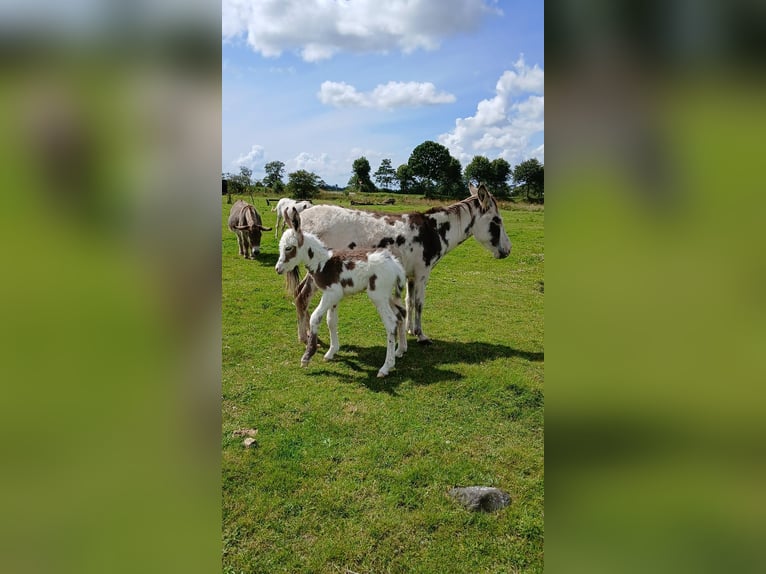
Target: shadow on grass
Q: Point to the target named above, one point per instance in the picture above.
(421, 365)
(267, 259)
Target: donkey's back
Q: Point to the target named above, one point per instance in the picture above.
(340, 228)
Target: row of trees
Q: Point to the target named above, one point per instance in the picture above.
(430, 171)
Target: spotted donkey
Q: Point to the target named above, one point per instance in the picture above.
(341, 273)
(418, 240)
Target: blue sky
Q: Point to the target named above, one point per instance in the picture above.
(317, 84)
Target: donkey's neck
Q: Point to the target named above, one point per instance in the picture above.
(455, 222)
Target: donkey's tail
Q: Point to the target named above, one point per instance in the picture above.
(400, 282)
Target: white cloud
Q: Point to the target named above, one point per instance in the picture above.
(504, 125)
(321, 163)
(250, 158)
(340, 94)
(384, 96)
(320, 28)
(524, 80)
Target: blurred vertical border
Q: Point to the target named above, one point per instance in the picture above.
(110, 290)
(656, 286)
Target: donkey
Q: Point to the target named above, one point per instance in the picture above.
(341, 273)
(246, 223)
(282, 206)
(418, 239)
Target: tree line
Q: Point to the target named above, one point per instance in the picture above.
(430, 171)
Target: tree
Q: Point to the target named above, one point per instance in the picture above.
(245, 176)
(226, 186)
(386, 175)
(531, 175)
(479, 170)
(453, 185)
(302, 184)
(235, 185)
(494, 174)
(434, 169)
(501, 171)
(362, 169)
(353, 184)
(406, 179)
(274, 172)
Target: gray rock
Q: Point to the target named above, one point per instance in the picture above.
(484, 498)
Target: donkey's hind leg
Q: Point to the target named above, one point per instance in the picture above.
(401, 327)
(303, 296)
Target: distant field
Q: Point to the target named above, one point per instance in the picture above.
(350, 472)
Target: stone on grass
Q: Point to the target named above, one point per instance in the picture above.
(244, 432)
(250, 433)
(480, 498)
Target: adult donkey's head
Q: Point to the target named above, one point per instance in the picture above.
(488, 226)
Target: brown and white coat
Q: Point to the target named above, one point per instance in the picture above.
(341, 273)
(418, 240)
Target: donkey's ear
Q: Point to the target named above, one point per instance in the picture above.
(295, 219)
(472, 189)
(484, 197)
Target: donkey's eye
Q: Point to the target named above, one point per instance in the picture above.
(291, 248)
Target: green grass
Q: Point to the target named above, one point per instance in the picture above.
(350, 472)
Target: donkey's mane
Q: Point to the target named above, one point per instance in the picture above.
(454, 208)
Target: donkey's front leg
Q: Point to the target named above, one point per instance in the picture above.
(332, 325)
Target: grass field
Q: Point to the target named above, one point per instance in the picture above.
(350, 472)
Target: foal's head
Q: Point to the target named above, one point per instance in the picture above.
(295, 247)
(291, 243)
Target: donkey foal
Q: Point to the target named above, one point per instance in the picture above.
(342, 273)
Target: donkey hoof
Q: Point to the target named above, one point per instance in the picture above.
(304, 363)
(381, 374)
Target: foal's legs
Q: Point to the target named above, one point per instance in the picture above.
(329, 299)
(390, 320)
(401, 327)
(332, 325)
